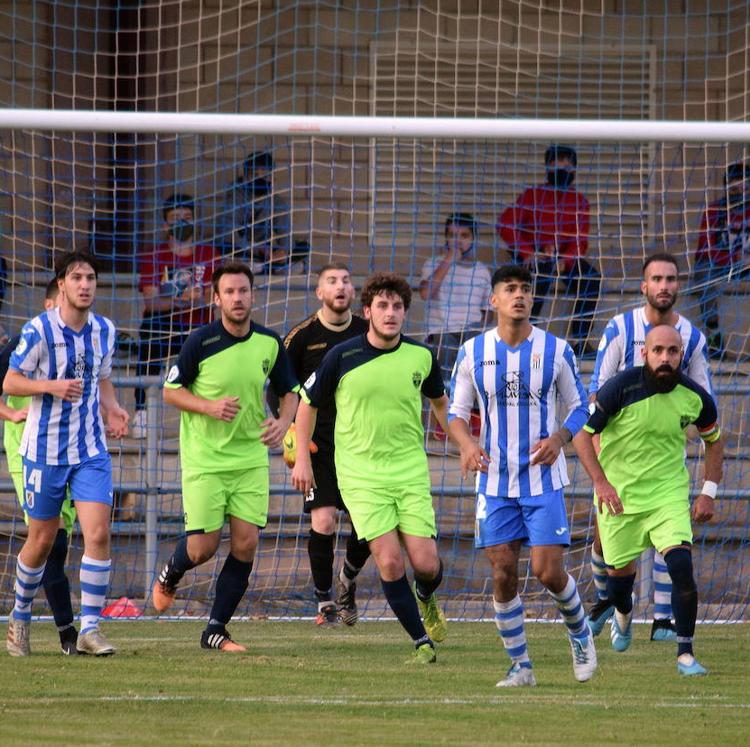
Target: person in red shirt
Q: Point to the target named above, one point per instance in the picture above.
(723, 251)
(547, 229)
(176, 285)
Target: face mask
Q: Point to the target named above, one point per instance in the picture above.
(560, 177)
(181, 230)
(260, 186)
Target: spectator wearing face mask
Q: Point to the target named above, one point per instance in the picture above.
(254, 224)
(175, 279)
(723, 253)
(547, 229)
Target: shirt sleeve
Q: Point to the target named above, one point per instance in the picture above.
(110, 335)
(5, 354)
(572, 393)
(698, 369)
(428, 270)
(462, 388)
(707, 420)
(25, 358)
(294, 344)
(432, 386)
(606, 405)
(321, 384)
(608, 357)
(185, 371)
(281, 376)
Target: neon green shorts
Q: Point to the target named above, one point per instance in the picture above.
(208, 498)
(376, 511)
(67, 512)
(626, 536)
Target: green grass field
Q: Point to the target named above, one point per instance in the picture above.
(301, 686)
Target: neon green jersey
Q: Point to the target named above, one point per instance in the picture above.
(378, 437)
(214, 364)
(643, 436)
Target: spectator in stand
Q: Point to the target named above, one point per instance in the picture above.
(255, 221)
(547, 229)
(176, 286)
(456, 289)
(723, 250)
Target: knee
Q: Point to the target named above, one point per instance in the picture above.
(550, 576)
(391, 566)
(426, 566)
(505, 578)
(97, 538)
(244, 548)
(323, 522)
(200, 552)
(679, 563)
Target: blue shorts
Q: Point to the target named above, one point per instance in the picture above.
(537, 520)
(45, 485)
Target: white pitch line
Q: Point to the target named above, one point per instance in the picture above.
(290, 700)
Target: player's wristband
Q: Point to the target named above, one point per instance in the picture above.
(710, 488)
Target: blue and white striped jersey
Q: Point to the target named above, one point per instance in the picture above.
(623, 340)
(517, 390)
(59, 432)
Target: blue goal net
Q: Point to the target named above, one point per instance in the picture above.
(289, 204)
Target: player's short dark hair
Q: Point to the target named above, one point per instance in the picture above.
(661, 257)
(387, 283)
(64, 262)
(175, 201)
(461, 219)
(231, 268)
(556, 151)
(511, 272)
(51, 290)
(261, 159)
(736, 171)
(333, 266)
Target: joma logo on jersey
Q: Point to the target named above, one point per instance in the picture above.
(266, 366)
(416, 379)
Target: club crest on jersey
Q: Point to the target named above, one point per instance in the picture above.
(684, 421)
(266, 366)
(416, 379)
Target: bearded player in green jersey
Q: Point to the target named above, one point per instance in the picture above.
(218, 384)
(641, 479)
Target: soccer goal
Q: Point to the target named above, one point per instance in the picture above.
(372, 122)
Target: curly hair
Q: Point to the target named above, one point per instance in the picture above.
(386, 283)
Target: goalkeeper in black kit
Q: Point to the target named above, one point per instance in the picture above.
(306, 344)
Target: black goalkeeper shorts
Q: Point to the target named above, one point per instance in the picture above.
(326, 491)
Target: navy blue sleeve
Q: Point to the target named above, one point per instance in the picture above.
(185, 371)
(5, 354)
(319, 389)
(433, 386)
(281, 376)
(605, 406)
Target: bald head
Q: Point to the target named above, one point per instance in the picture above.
(662, 356)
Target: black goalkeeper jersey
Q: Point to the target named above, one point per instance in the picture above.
(306, 345)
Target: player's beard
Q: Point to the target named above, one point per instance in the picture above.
(662, 383)
(238, 316)
(338, 307)
(660, 304)
(385, 336)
